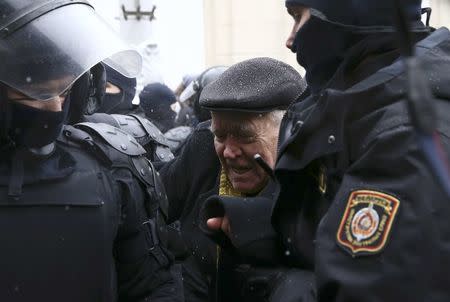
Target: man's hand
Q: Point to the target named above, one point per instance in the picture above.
(219, 223)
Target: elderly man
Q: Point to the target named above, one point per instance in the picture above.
(247, 103)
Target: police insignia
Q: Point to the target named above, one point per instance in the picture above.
(367, 222)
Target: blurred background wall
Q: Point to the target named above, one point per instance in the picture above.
(441, 12)
(187, 36)
(236, 30)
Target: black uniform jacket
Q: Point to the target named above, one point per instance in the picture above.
(358, 203)
(79, 231)
(189, 180)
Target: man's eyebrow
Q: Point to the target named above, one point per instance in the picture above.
(217, 131)
(238, 130)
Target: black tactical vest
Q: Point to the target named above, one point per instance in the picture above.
(57, 237)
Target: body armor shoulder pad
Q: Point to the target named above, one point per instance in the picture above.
(115, 137)
(131, 125)
(73, 136)
(127, 123)
(138, 127)
(178, 134)
(145, 169)
(101, 118)
(163, 154)
(149, 175)
(151, 130)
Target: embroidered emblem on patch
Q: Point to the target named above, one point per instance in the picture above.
(367, 222)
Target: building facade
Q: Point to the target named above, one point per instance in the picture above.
(236, 30)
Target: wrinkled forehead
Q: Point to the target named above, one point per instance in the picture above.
(236, 117)
(236, 122)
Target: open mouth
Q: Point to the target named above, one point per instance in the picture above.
(240, 170)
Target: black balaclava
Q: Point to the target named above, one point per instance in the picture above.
(34, 128)
(155, 100)
(322, 58)
(28, 133)
(118, 103)
(336, 26)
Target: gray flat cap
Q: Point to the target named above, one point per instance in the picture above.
(255, 85)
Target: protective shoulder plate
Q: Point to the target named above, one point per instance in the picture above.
(115, 137)
(101, 118)
(150, 176)
(151, 130)
(145, 169)
(132, 126)
(164, 153)
(177, 136)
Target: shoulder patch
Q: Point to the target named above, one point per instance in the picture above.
(367, 222)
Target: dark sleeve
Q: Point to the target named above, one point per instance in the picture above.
(397, 254)
(294, 285)
(185, 176)
(274, 284)
(250, 224)
(144, 267)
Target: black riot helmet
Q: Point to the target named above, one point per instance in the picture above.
(50, 48)
(45, 46)
(193, 91)
(372, 15)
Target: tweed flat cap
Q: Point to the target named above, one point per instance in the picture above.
(255, 85)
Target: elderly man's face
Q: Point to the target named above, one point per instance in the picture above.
(238, 137)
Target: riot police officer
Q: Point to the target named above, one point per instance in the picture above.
(82, 210)
(93, 96)
(191, 113)
(191, 95)
(360, 203)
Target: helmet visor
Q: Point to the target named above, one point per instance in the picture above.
(47, 55)
(189, 91)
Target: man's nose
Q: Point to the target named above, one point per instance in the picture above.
(289, 41)
(291, 37)
(231, 150)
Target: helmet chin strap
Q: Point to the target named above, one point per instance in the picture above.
(19, 155)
